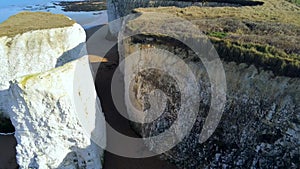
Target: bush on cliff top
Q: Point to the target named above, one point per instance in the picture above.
(265, 56)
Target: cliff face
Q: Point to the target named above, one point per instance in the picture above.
(260, 125)
(47, 90)
(54, 114)
(39, 48)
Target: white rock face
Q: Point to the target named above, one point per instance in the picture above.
(54, 114)
(47, 90)
(38, 50)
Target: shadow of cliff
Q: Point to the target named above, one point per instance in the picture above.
(7, 140)
(8, 152)
(118, 122)
(71, 55)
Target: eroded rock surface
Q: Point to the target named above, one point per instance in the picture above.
(54, 113)
(37, 44)
(47, 90)
(260, 126)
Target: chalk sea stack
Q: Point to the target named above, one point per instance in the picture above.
(33, 42)
(47, 90)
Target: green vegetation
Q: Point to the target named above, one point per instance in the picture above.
(277, 11)
(28, 21)
(26, 78)
(297, 2)
(220, 35)
(268, 57)
(266, 36)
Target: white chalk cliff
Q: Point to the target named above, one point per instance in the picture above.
(54, 113)
(38, 50)
(47, 89)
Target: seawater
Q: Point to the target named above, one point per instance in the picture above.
(12, 7)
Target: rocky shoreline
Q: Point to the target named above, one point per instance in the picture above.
(80, 6)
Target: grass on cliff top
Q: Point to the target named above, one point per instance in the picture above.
(266, 35)
(87, 6)
(276, 22)
(272, 10)
(28, 21)
(297, 2)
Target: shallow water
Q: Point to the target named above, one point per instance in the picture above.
(86, 19)
(22, 3)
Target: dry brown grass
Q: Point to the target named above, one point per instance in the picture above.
(268, 34)
(28, 21)
(272, 11)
